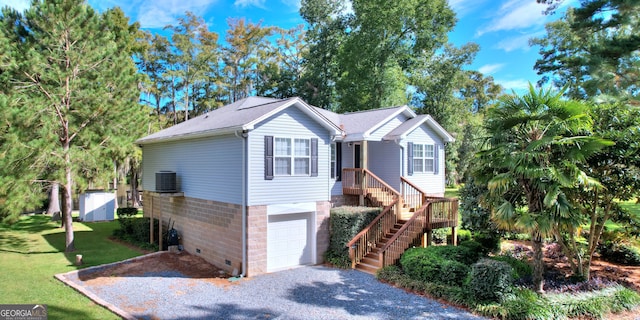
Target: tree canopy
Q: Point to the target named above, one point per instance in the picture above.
(71, 106)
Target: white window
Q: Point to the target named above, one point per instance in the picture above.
(423, 158)
(428, 158)
(418, 158)
(292, 157)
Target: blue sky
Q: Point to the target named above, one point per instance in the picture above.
(501, 27)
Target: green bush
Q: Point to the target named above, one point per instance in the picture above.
(521, 269)
(136, 230)
(126, 212)
(620, 252)
(346, 223)
(490, 280)
(440, 264)
(490, 241)
(464, 235)
(394, 275)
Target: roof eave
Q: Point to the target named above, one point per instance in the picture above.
(189, 136)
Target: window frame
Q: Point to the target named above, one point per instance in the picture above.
(420, 158)
(292, 156)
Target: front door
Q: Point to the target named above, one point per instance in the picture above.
(356, 156)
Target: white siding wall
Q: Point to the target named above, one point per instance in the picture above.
(207, 168)
(387, 127)
(427, 181)
(384, 162)
(291, 123)
(347, 153)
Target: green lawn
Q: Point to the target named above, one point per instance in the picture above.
(32, 251)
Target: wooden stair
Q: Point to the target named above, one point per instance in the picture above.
(371, 262)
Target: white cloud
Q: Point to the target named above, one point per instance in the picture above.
(515, 85)
(19, 5)
(516, 43)
(292, 4)
(249, 3)
(155, 13)
(516, 15)
(490, 68)
(464, 7)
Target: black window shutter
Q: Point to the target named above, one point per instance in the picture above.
(268, 157)
(410, 158)
(436, 158)
(314, 157)
(338, 161)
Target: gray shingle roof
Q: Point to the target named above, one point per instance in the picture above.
(408, 126)
(244, 114)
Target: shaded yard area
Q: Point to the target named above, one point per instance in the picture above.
(32, 251)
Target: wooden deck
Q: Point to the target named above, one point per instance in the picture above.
(407, 216)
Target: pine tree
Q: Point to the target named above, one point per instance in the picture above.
(73, 102)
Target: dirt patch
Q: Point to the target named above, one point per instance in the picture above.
(164, 264)
(558, 270)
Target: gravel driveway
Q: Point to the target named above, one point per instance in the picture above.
(314, 292)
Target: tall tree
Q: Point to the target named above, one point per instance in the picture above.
(327, 23)
(75, 74)
(191, 61)
(152, 63)
(245, 43)
(594, 49)
(536, 143)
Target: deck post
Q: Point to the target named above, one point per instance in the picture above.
(454, 236)
(151, 219)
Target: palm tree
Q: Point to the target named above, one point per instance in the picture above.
(535, 144)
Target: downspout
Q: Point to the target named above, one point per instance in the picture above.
(244, 134)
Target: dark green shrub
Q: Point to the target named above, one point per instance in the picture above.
(435, 264)
(490, 241)
(475, 247)
(136, 230)
(126, 212)
(620, 252)
(521, 269)
(490, 280)
(346, 223)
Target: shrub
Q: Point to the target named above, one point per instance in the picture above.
(521, 269)
(136, 230)
(490, 280)
(126, 212)
(346, 223)
(440, 264)
(620, 252)
(464, 235)
(490, 241)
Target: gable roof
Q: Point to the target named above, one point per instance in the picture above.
(241, 115)
(408, 126)
(359, 125)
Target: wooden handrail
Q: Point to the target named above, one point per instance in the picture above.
(367, 239)
(437, 213)
(371, 224)
(413, 196)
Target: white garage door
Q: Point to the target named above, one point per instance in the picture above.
(289, 241)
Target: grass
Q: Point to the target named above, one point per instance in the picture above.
(32, 251)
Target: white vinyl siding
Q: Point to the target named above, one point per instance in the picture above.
(385, 162)
(383, 130)
(294, 124)
(206, 168)
(429, 181)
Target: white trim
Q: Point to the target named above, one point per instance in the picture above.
(403, 109)
(288, 208)
(307, 109)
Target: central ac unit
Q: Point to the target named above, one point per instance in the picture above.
(166, 181)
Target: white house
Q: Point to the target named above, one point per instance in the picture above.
(255, 179)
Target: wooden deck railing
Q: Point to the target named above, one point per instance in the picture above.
(413, 196)
(356, 181)
(367, 239)
(436, 213)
